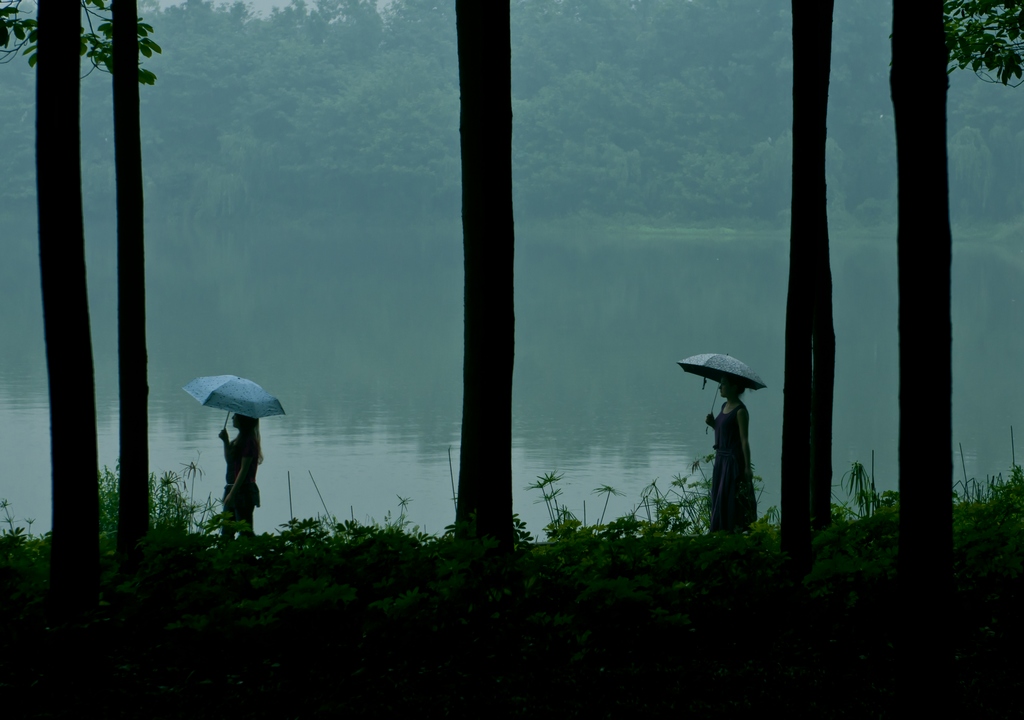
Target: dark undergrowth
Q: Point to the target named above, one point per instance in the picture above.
(635, 615)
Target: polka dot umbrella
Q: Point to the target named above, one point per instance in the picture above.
(715, 366)
(234, 394)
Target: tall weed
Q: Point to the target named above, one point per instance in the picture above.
(172, 501)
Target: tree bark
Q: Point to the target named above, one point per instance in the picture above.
(822, 391)
(918, 83)
(485, 81)
(812, 41)
(74, 559)
(133, 387)
(823, 336)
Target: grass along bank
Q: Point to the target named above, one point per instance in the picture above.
(638, 612)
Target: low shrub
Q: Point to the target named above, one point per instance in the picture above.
(365, 618)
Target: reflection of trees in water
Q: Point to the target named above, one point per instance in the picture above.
(363, 331)
(600, 331)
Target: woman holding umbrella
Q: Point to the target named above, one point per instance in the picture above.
(733, 505)
(243, 455)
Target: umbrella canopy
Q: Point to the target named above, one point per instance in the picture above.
(715, 366)
(234, 394)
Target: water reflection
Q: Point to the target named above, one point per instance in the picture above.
(361, 339)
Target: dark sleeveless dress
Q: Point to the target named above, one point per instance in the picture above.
(733, 505)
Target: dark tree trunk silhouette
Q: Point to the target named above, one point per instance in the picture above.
(133, 511)
(823, 342)
(918, 83)
(74, 559)
(808, 258)
(485, 81)
(823, 336)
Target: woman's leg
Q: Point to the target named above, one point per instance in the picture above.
(244, 508)
(715, 523)
(227, 508)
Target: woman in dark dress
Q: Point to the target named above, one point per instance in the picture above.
(733, 505)
(243, 456)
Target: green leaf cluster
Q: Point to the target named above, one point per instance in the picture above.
(987, 36)
(19, 29)
(96, 37)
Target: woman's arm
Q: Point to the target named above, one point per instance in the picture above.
(743, 419)
(243, 472)
(223, 435)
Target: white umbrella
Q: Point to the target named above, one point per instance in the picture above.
(234, 394)
(715, 366)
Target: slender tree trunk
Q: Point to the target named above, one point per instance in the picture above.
(133, 511)
(485, 81)
(823, 336)
(918, 84)
(812, 36)
(74, 559)
(822, 393)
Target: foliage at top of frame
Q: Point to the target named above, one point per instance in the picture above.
(987, 36)
(97, 37)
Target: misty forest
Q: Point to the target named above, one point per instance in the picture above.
(464, 249)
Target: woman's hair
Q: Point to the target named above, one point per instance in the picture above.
(737, 382)
(248, 427)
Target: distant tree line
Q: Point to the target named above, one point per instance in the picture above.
(655, 109)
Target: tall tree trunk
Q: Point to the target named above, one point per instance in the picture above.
(812, 42)
(485, 81)
(822, 391)
(74, 559)
(918, 83)
(823, 336)
(133, 510)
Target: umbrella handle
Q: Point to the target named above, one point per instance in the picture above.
(226, 420)
(713, 399)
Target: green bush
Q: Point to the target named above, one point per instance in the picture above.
(341, 615)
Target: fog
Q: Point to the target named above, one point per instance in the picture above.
(303, 230)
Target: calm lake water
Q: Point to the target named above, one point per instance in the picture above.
(360, 336)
